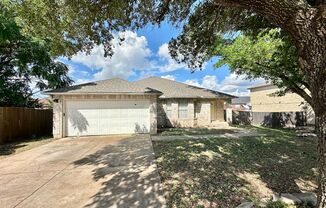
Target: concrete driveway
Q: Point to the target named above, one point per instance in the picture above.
(83, 172)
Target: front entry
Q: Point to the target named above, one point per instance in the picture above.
(213, 111)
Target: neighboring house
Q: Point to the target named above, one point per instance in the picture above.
(116, 106)
(45, 103)
(240, 103)
(289, 110)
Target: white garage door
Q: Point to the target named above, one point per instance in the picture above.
(107, 117)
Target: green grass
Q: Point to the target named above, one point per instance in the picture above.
(222, 172)
(23, 145)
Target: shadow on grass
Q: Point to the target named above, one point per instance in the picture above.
(11, 148)
(222, 172)
(192, 131)
(126, 173)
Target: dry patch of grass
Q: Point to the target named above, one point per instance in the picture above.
(20, 146)
(223, 172)
(194, 131)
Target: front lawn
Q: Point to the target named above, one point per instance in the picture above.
(223, 172)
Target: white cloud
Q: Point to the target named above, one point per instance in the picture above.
(170, 77)
(238, 85)
(169, 64)
(193, 82)
(79, 76)
(232, 84)
(210, 82)
(129, 56)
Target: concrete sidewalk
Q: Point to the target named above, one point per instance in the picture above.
(85, 172)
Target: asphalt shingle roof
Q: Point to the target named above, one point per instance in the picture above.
(167, 88)
(173, 89)
(115, 85)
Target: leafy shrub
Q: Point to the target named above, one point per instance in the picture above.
(277, 204)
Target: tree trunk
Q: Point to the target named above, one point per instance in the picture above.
(311, 44)
(321, 132)
(320, 113)
(306, 24)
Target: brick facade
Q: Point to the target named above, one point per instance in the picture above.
(199, 112)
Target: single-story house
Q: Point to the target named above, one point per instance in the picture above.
(117, 106)
(287, 110)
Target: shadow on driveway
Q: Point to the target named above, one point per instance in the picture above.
(130, 177)
(115, 171)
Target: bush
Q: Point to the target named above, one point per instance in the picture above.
(277, 204)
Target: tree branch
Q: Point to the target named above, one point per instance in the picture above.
(283, 13)
(297, 89)
(304, 83)
(294, 86)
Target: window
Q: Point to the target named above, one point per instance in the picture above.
(183, 110)
(168, 109)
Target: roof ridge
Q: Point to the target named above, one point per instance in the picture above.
(182, 83)
(103, 80)
(165, 80)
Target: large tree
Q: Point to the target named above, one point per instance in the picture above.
(78, 25)
(270, 55)
(25, 61)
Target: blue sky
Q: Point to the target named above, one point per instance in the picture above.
(144, 53)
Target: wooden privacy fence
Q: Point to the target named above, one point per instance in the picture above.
(20, 123)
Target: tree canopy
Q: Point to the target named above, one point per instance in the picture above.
(79, 25)
(24, 61)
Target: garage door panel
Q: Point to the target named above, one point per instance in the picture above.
(107, 117)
